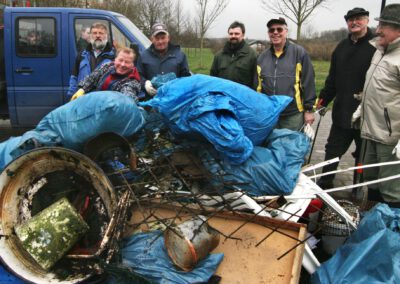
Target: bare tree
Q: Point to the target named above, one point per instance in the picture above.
(297, 11)
(206, 16)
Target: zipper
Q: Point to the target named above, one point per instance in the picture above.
(387, 120)
(275, 71)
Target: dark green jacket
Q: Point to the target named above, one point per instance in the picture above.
(240, 66)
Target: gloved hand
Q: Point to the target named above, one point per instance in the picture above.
(309, 131)
(78, 94)
(355, 119)
(149, 88)
(396, 150)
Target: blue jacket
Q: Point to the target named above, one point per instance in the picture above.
(86, 63)
(150, 64)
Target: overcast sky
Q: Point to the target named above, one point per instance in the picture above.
(255, 18)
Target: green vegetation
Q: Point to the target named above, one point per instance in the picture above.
(321, 67)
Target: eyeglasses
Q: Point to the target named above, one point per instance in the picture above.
(356, 19)
(272, 30)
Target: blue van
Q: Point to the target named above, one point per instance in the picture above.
(38, 47)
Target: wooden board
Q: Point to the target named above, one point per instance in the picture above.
(243, 261)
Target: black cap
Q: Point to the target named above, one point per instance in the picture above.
(356, 12)
(390, 14)
(280, 21)
(158, 28)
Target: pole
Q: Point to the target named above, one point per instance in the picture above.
(315, 138)
(383, 5)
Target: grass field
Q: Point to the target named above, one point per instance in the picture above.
(321, 67)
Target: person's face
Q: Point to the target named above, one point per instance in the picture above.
(86, 34)
(124, 63)
(32, 39)
(357, 24)
(160, 42)
(386, 34)
(235, 35)
(277, 34)
(98, 38)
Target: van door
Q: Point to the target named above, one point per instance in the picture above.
(36, 82)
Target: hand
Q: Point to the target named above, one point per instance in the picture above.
(396, 150)
(149, 88)
(321, 109)
(355, 118)
(309, 131)
(78, 94)
(309, 117)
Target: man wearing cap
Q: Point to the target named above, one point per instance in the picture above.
(237, 61)
(349, 62)
(160, 58)
(286, 69)
(380, 109)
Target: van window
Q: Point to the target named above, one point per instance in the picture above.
(119, 39)
(36, 37)
(82, 31)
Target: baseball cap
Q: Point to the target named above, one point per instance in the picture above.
(158, 28)
(280, 21)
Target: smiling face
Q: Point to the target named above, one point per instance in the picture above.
(124, 62)
(236, 35)
(277, 34)
(357, 24)
(386, 34)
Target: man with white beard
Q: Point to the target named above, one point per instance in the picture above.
(98, 52)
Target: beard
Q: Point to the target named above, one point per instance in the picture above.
(98, 44)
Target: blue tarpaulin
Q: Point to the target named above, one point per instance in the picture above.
(231, 116)
(146, 255)
(72, 124)
(370, 255)
(270, 170)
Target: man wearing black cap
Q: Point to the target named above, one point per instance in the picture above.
(380, 109)
(349, 62)
(160, 58)
(286, 69)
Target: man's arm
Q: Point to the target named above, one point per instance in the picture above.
(73, 80)
(308, 83)
(328, 92)
(184, 67)
(91, 82)
(214, 67)
(131, 88)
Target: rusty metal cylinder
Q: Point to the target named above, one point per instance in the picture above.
(190, 242)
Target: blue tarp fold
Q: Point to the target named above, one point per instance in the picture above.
(231, 116)
(370, 255)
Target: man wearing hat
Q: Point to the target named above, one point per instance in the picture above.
(160, 58)
(286, 69)
(380, 109)
(349, 62)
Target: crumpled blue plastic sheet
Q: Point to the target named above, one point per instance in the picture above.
(160, 80)
(72, 124)
(371, 254)
(6, 277)
(146, 255)
(231, 116)
(270, 170)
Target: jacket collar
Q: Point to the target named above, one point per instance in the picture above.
(243, 47)
(392, 46)
(107, 48)
(367, 36)
(171, 49)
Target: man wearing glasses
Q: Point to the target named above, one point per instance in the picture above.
(349, 62)
(286, 69)
(380, 109)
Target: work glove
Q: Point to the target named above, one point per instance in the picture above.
(149, 88)
(355, 119)
(78, 94)
(309, 131)
(396, 150)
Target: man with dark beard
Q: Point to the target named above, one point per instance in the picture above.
(98, 52)
(237, 61)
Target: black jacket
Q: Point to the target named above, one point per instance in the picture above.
(349, 64)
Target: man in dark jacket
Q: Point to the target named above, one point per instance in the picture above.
(286, 69)
(349, 64)
(160, 58)
(237, 61)
(98, 52)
